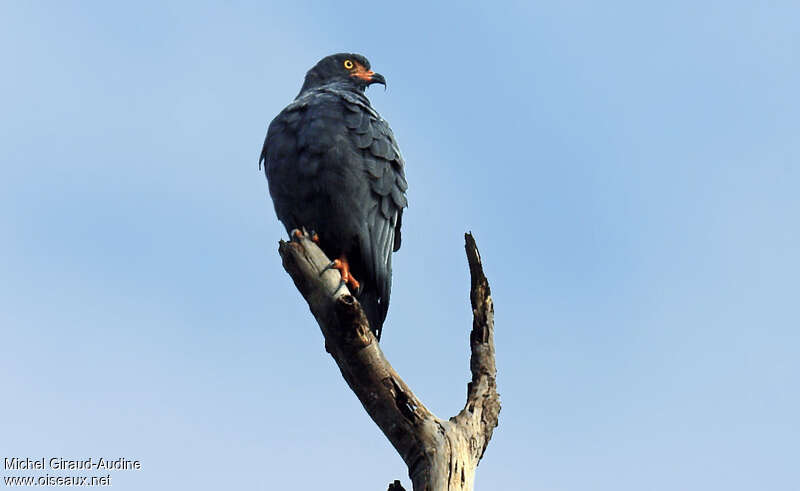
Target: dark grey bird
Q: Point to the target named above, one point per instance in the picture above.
(334, 168)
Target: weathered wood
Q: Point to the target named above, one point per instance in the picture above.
(440, 455)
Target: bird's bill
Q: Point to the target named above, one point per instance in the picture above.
(368, 76)
(376, 78)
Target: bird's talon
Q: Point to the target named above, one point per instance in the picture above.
(347, 278)
(335, 264)
(339, 287)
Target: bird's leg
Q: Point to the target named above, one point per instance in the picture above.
(343, 267)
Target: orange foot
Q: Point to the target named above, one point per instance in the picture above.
(343, 267)
(298, 234)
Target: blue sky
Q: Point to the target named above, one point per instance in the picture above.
(630, 173)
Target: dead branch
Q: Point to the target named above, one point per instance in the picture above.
(440, 455)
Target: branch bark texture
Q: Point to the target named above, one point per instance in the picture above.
(441, 455)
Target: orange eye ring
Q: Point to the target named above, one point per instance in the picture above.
(348, 64)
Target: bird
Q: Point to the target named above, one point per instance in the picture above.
(334, 168)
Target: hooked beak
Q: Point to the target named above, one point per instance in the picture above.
(368, 76)
(376, 78)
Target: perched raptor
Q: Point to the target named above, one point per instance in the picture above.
(334, 168)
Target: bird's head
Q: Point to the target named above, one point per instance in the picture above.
(342, 67)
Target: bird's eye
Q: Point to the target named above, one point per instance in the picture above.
(348, 64)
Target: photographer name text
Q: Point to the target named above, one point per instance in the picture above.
(62, 464)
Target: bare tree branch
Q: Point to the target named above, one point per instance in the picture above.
(483, 402)
(440, 455)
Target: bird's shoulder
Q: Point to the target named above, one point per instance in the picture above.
(309, 123)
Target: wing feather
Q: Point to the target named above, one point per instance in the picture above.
(384, 168)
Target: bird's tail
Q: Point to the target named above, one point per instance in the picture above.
(370, 302)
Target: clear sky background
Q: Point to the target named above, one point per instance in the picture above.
(630, 173)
